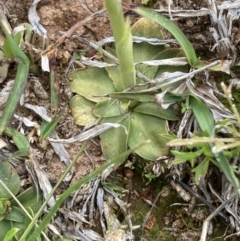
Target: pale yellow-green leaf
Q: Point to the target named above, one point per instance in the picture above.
(174, 30)
(115, 74)
(144, 127)
(9, 176)
(82, 110)
(145, 51)
(91, 82)
(201, 170)
(108, 108)
(148, 29)
(153, 109)
(114, 141)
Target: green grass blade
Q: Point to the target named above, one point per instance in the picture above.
(10, 234)
(47, 127)
(19, 84)
(226, 168)
(202, 114)
(173, 29)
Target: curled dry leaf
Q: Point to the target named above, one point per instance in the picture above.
(42, 178)
(88, 134)
(2, 143)
(40, 110)
(34, 19)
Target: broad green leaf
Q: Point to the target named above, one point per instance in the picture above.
(201, 170)
(167, 54)
(5, 227)
(30, 198)
(178, 161)
(148, 71)
(91, 82)
(145, 127)
(47, 128)
(145, 51)
(155, 110)
(32, 201)
(108, 108)
(9, 176)
(174, 30)
(10, 234)
(114, 141)
(148, 29)
(19, 139)
(16, 215)
(82, 110)
(170, 53)
(3, 208)
(170, 97)
(115, 74)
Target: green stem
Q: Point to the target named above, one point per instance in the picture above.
(123, 42)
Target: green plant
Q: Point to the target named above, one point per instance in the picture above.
(12, 49)
(145, 2)
(209, 146)
(149, 177)
(115, 161)
(10, 234)
(109, 94)
(11, 214)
